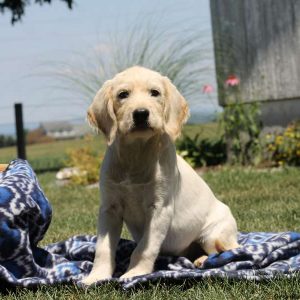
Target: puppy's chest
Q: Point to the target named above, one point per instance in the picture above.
(137, 193)
(136, 198)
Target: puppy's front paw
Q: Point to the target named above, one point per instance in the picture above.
(93, 278)
(134, 272)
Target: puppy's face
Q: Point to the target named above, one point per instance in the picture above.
(138, 103)
(138, 100)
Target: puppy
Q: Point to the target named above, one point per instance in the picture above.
(166, 206)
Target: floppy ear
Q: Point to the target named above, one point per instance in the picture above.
(176, 110)
(100, 114)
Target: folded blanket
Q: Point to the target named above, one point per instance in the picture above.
(25, 215)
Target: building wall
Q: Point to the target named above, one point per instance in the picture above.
(259, 41)
(280, 112)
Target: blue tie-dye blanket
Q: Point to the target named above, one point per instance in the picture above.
(25, 215)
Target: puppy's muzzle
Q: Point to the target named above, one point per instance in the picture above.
(140, 118)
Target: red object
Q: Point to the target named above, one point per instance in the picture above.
(207, 89)
(232, 80)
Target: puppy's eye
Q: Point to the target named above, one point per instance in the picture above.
(123, 95)
(154, 93)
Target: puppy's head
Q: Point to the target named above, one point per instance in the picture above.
(138, 103)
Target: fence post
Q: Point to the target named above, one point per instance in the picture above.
(20, 131)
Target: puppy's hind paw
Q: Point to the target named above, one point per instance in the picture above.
(200, 261)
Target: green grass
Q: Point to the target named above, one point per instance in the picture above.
(260, 200)
(206, 289)
(50, 156)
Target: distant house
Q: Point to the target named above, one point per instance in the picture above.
(58, 130)
(82, 129)
(64, 130)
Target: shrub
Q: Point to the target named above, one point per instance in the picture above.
(174, 54)
(201, 152)
(284, 148)
(87, 161)
(242, 128)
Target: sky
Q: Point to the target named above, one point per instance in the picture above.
(52, 33)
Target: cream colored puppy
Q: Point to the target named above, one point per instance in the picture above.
(166, 206)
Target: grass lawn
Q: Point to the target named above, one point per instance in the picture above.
(260, 201)
(50, 156)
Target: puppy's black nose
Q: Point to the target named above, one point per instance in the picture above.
(140, 116)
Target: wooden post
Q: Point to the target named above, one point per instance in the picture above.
(20, 131)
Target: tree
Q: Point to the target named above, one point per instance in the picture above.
(17, 7)
(6, 141)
